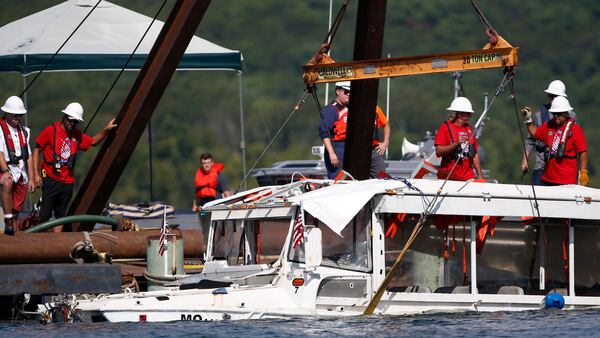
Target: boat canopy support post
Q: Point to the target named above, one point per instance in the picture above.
(571, 259)
(542, 256)
(473, 252)
(368, 44)
(242, 133)
(137, 109)
(378, 251)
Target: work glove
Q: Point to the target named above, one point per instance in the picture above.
(526, 111)
(584, 179)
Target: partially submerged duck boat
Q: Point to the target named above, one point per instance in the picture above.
(315, 248)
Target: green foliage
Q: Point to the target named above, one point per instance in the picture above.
(200, 110)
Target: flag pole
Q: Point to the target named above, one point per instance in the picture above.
(165, 242)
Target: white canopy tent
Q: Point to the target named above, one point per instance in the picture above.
(103, 42)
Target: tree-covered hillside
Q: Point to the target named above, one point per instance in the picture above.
(199, 111)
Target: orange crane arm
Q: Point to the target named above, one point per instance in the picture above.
(501, 54)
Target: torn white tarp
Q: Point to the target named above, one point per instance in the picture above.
(336, 205)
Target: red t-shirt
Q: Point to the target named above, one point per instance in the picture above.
(564, 170)
(69, 144)
(463, 170)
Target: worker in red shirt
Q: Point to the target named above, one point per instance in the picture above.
(564, 141)
(59, 144)
(456, 145)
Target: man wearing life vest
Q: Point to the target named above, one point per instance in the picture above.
(59, 144)
(16, 164)
(332, 129)
(455, 143)
(555, 88)
(210, 183)
(564, 142)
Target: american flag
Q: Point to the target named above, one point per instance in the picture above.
(164, 231)
(298, 233)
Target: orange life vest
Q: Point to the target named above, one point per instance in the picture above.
(10, 143)
(339, 126)
(206, 183)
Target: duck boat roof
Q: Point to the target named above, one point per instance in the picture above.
(336, 204)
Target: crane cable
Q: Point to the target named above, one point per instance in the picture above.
(296, 108)
(124, 66)
(57, 51)
(326, 45)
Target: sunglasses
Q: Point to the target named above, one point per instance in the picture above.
(557, 114)
(72, 121)
(15, 116)
(346, 91)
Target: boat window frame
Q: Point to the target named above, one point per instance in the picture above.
(366, 212)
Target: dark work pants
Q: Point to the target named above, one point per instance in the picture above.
(537, 176)
(55, 197)
(332, 171)
(377, 164)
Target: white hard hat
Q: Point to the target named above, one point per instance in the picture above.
(461, 104)
(557, 87)
(560, 104)
(343, 85)
(14, 105)
(74, 110)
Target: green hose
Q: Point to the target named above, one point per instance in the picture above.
(72, 219)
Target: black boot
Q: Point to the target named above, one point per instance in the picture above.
(9, 228)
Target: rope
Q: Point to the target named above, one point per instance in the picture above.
(124, 66)
(296, 108)
(162, 279)
(59, 48)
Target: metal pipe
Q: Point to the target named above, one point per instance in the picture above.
(387, 106)
(329, 51)
(150, 159)
(51, 247)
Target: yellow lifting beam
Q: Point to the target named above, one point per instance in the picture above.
(501, 54)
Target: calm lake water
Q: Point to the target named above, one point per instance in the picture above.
(500, 324)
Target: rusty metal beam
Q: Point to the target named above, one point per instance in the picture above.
(412, 65)
(368, 44)
(40, 279)
(137, 109)
(50, 247)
